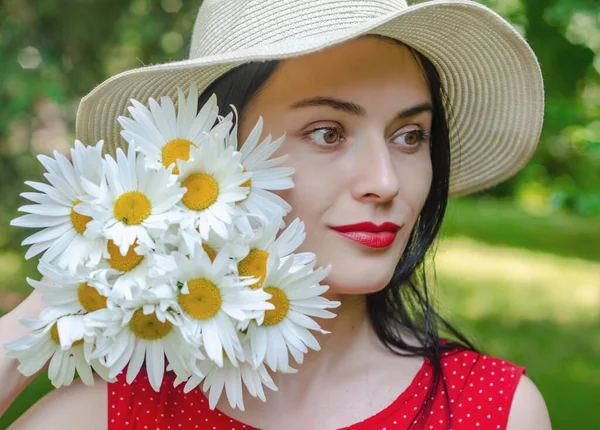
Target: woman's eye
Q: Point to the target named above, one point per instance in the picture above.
(326, 136)
(412, 138)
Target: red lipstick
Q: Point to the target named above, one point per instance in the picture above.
(370, 234)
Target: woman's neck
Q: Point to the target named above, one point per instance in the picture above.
(348, 345)
(351, 363)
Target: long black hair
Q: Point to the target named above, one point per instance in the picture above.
(404, 305)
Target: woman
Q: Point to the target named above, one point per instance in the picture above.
(365, 118)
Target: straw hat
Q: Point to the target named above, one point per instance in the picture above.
(489, 72)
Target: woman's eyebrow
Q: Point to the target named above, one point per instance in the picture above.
(354, 109)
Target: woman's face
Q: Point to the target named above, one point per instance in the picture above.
(356, 118)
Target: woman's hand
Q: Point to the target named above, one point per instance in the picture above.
(13, 382)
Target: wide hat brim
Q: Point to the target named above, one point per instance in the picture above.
(493, 83)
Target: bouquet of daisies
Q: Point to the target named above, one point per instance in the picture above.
(170, 255)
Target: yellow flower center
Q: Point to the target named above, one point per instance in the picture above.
(132, 208)
(56, 339)
(90, 298)
(254, 264)
(126, 262)
(248, 183)
(148, 327)
(176, 149)
(281, 303)
(202, 191)
(204, 300)
(79, 221)
(212, 254)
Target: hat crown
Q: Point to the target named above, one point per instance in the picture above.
(231, 25)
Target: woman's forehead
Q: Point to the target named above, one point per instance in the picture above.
(361, 67)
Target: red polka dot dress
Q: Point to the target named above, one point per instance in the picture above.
(479, 394)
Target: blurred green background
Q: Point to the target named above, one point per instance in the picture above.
(518, 266)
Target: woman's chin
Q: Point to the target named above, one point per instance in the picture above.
(356, 282)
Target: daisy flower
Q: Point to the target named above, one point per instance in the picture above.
(134, 203)
(212, 179)
(236, 246)
(62, 236)
(132, 337)
(68, 293)
(265, 177)
(265, 242)
(296, 297)
(211, 301)
(35, 349)
(164, 135)
(136, 270)
(233, 378)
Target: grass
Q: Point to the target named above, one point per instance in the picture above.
(497, 222)
(523, 287)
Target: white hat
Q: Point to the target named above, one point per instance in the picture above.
(490, 74)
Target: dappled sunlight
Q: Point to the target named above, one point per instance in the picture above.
(477, 280)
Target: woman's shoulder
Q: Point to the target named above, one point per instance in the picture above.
(71, 407)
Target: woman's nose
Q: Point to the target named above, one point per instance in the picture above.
(376, 176)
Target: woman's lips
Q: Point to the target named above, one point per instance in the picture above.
(380, 239)
(370, 234)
